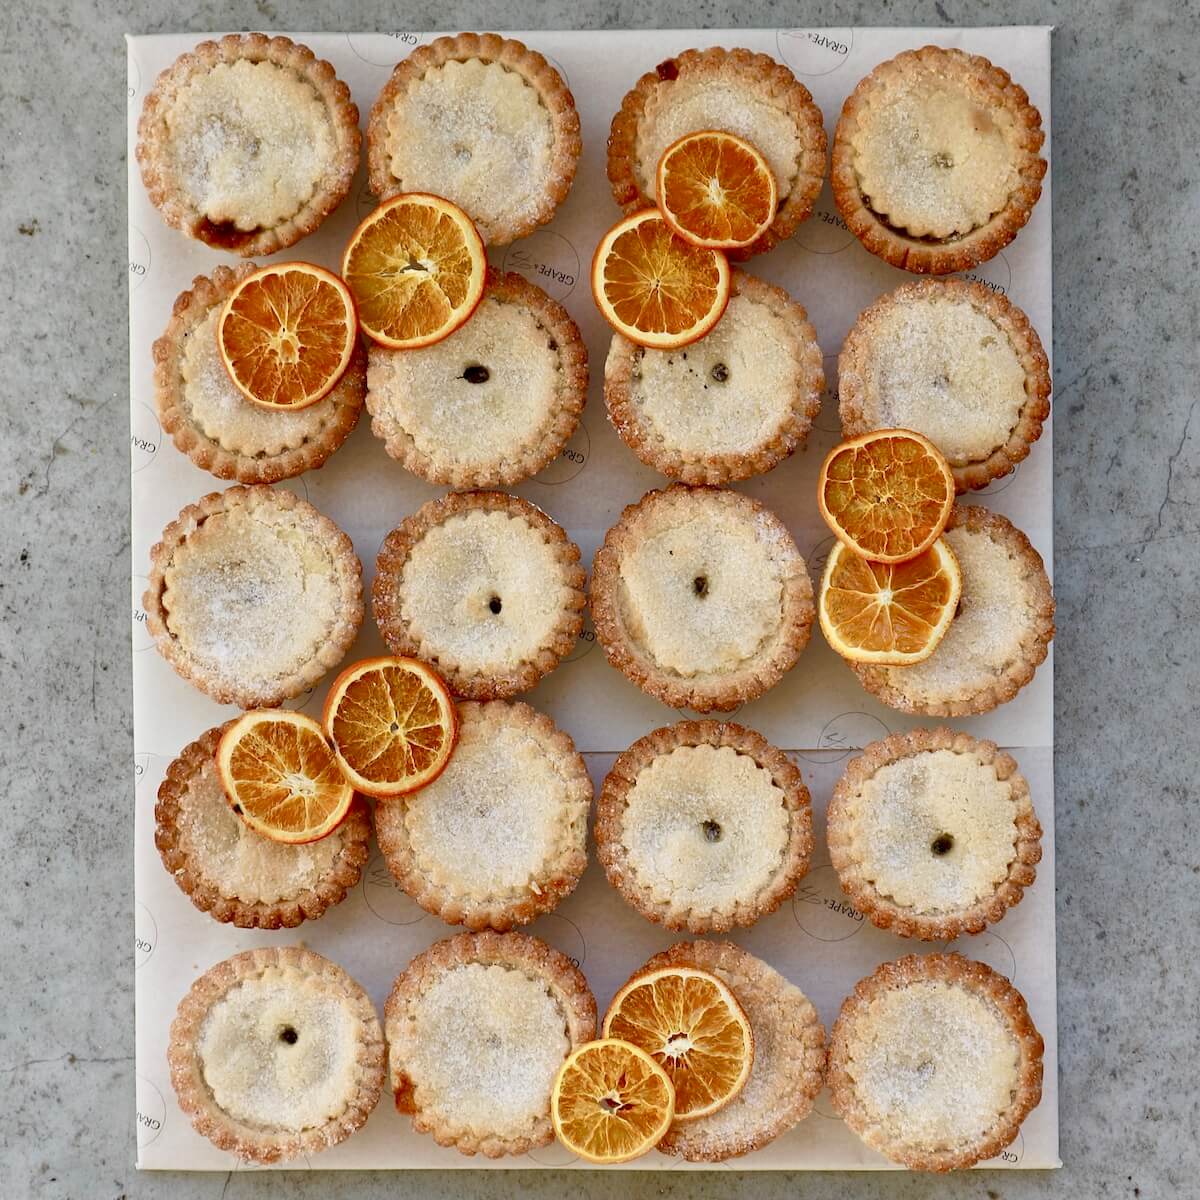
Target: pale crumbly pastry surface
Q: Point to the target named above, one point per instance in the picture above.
(235, 874)
(493, 403)
(253, 595)
(789, 1056)
(955, 361)
(735, 91)
(477, 1027)
(211, 422)
(275, 1053)
(933, 833)
(704, 826)
(483, 121)
(485, 587)
(935, 160)
(731, 405)
(1000, 635)
(700, 597)
(247, 143)
(500, 837)
(934, 1062)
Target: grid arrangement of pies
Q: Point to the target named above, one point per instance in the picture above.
(475, 379)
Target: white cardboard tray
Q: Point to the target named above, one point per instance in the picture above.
(819, 711)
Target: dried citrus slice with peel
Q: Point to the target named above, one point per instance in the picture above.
(891, 614)
(286, 335)
(692, 1025)
(416, 267)
(655, 288)
(392, 723)
(716, 190)
(887, 494)
(611, 1102)
(280, 775)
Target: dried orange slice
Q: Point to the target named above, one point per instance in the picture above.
(611, 1102)
(691, 1024)
(286, 334)
(416, 267)
(654, 287)
(392, 723)
(281, 777)
(715, 189)
(887, 494)
(892, 614)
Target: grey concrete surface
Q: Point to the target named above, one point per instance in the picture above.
(1127, 212)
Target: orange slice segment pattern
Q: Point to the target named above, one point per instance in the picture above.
(691, 1024)
(716, 190)
(889, 613)
(280, 775)
(287, 334)
(611, 1102)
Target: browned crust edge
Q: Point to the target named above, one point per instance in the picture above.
(882, 911)
(518, 951)
(619, 368)
(614, 798)
(724, 693)
(1035, 647)
(279, 914)
(856, 353)
(394, 553)
(511, 288)
(758, 72)
(190, 309)
(926, 256)
(250, 1143)
(991, 987)
(331, 190)
(691, 1140)
(515, 56)
(497, 912)
(341, 636)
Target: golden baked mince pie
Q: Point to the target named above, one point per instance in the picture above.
(477, 1027)
(999, 636)
(954, 361)
(253, 595)
(248, 143)
(935, 1062)
(733, 404)
(500, 837)
(491, 404)
(210, 420)
(483, 121)
(933, 833)
(733, 91)
(276, 1053)
(483, 586)
(236, 874)
(700, 597)
(935, 160)
(704, 826)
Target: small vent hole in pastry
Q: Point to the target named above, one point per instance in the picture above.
(712, 831)
(719, 373)
(476, 374)
(289, 1035)
(495, 605)
(700, 585)
(942, 844)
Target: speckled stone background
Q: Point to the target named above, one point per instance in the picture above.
(1127, 387)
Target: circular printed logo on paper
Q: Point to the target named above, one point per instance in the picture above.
(821, 908)
(139, 258)
(365, 201)
(300, 702)
(384, 49)
(814, 51)
(145, 935)
(1010, 1156)
(824, 232)
(1000, 485)
(563, 934)
(385, 898)
(553, 1154)
(570, 462)
(141, 634)
(995, 274)
(547, 259)
(145, 437)
(134, 82)
(986, 947)
(586, 642)
(296, 486)
(151, 1111)
(556, 65)
(818, 556)
(845, 733)
(692, 714)
(141, 769)
(828, 419)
